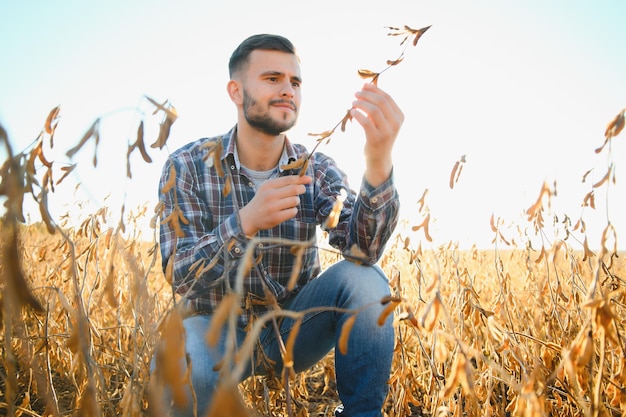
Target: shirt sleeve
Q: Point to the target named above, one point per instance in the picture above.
(188, 237)
(368, 218)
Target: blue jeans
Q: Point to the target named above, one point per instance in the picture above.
(362, 373)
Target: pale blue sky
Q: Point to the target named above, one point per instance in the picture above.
(523, 89)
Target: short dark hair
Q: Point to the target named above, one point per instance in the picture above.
(264, 41)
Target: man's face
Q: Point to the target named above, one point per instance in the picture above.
(271, 91)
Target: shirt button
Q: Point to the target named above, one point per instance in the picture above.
(250, 184)
(237, 250)
(374, 200)
(232, 167)
(363, 193)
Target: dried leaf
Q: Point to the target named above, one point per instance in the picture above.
(588, 253)
(170, 111)
(91, 132)
(171, 180)
(431, 314)
(73, 342)
(41, 156)
(606, 140)
(228, 305)
(169, 270)
(107, 238)
(346, 119)
(432, 286)
(12, 273)
(159, 106)
(453, 174)
(164, 133)
(391, 63)
(456, 171)
(227, 402)
(139, 143)
(589, 200)
(66, 171)
(424, 225)
(297, 265)
(298, 163)
(407, 242)
(109, 287)
(389, 299)
(364, 73)
(30, 164)
(418, 33)
(453, 380)
(615, 126)
(291, 342)
(534, 212)
(89, 406)
(342, 344)
(321, 136)
(227, 187)
(582, 351)
(603, 180)
(170, 357)
(47, 182)
(304, 167)
(175, 217)
(609, 234)
(389, 308)
(51, 120)
(422, 201)
(217, 155)
(542, 255)
(333, 216)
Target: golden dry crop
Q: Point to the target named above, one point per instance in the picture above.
(478, 333)
(510, 331)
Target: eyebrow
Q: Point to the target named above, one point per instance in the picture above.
(282, 74)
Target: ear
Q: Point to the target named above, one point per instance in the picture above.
(235, 91)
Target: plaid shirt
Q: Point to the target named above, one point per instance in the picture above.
(206, 258)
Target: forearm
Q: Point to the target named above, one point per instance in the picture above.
(378, 171)
(369, 222)
(200, 258)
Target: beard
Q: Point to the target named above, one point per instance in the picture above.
(261, 120)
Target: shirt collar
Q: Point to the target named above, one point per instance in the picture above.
(230, 149)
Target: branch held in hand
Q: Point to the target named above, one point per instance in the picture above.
(408, 33)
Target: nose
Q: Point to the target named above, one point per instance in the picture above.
(287, 90)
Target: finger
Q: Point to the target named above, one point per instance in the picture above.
(287, 214)
(287, 208)
(280, 189)
(295, 185)
(375, 94)
(378, 105)
(370, 116)
(292, 202)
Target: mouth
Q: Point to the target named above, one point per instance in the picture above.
(285, 105)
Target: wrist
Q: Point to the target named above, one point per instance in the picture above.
(377, 173)
(247, 225)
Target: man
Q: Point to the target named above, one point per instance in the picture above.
(239, 185)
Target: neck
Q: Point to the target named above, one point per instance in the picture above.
(258, 151)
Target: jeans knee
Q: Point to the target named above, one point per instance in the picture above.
(367, 279)
(361, 288)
